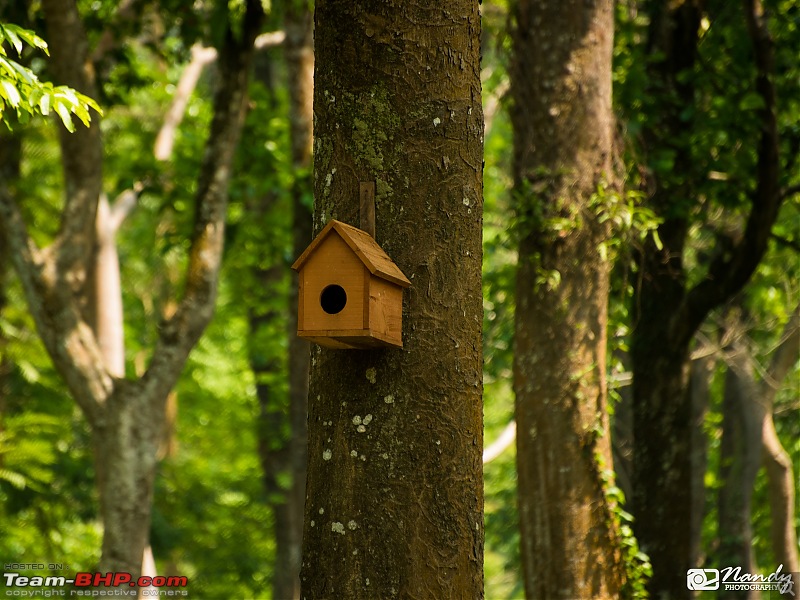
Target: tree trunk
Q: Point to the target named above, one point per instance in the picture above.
(299, 53)
(701, 373)
(778, 464)
(563, 152)
(662, 461)
(394, 497)
(740, 459)
(782, 486)
(274, 437)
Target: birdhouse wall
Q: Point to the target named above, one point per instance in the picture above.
(332, 264)
(386, 310)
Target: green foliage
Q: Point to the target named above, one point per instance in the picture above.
(21, 90)
(47, 496)
(631, 221)
(637, 564)
(26, 456)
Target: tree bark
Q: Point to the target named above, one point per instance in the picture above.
(563, 152)
(394, 497)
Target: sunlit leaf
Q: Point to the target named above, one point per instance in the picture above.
(10, 93)
(12, 37)
(66, 117)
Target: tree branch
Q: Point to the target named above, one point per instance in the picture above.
(123, 206)
(729, 272)
(201, 56)
(179, 333)
(783, 358)
(68, 338)
(790, 191)
(166, 136)
(82, 151)
(503, 441)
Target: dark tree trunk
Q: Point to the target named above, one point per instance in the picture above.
(282, 425)
(394, 504)
(668, 312)
(701, 372)
(662, 457)
(10, 155)
(563, 151)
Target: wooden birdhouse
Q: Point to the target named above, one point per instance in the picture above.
(351, 293)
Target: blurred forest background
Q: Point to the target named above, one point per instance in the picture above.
(215, 498)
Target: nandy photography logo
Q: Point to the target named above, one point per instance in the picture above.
(732, 578)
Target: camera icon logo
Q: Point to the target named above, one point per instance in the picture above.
(702, 579)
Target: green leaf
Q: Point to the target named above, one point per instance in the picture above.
(10, 93)
(64, 113)
(44, 104)
(7, 65)
(11, 36)
(15, 479)
(31, 38)
(751, 101)
(26, 74)
(657, 240)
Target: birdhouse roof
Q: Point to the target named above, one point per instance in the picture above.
(364, 246)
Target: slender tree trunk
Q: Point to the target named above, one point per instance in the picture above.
(394, 504)
(10, 156)
(299, 53)
(701, 373)
(622, 433)
(778, 464)
(782, 492)
(563, 151)
(740, 459)
(274, 439)
(108, 314)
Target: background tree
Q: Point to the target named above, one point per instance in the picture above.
(395, 495)
(564, 175)
(686, 185)
(121, 412)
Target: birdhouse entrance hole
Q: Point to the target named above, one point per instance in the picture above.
(333, 299)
